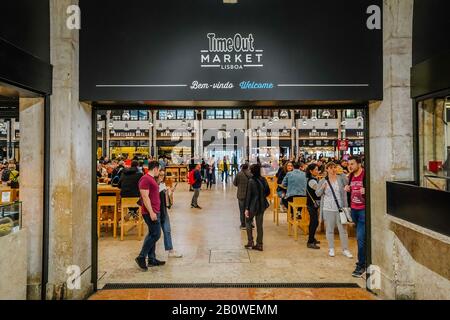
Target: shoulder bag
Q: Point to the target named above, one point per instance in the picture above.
(344, 213)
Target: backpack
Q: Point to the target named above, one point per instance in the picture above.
(5, 175)
(191, 177)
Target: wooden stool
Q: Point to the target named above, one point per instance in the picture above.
(183, 174)
(107, 201)
(293, 221)
(138, 223)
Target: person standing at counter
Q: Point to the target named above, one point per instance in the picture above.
(150, 207)
(357, 192)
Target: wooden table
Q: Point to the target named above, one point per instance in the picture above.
(108, 189)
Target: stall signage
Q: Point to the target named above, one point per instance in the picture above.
(318, 134)
(203, 50)
(342, 145)
(174, 134)
(129, 134)
(274, 134)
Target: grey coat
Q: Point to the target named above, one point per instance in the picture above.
(342, 195)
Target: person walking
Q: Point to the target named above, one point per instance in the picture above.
(209, 175)
(357, 192)
(333, 196)
(150, 208)
(241, 182)
(196, 186)
(312, 171)
(255, 205)
(165, 220)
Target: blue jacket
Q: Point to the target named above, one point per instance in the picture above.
(198, 180)
(295, 181)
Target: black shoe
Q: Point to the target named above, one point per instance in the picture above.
(141, 263)
(249, 245)
(316, 241)
(312, 246)
(156, 263)
(198, 207)
(358, 273)
(258, 247)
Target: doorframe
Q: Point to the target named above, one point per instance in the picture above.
(96, 108)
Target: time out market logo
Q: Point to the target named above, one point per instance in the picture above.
(233, 53)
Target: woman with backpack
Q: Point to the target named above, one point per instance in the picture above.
(255, 205)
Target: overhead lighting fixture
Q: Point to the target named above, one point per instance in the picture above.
(189, 127)
(275, 117)
(359, 117)
(126, 115)
(326, 114)
(112, 131)
(304, 121)
(150, 124)
(230, 1)
(284, 114)
(285, 129)
(344, 123)
(110, 124)
(314, 116)
(270, 123)
(126, 127)
(169, 116)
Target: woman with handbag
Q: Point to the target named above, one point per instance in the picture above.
(332, 205)
(312, 171)
(255, 205)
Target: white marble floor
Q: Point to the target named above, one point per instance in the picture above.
(212, 245)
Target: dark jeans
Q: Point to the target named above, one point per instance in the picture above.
(313, 223)
(154, 233)
(209, 180)
(242, 211)
(259, 228)
(359, 218)
(226, 176)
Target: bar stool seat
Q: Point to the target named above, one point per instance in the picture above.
(106, 202)
(293, 221)
(137, 222)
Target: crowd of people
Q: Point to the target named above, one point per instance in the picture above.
(334, 191)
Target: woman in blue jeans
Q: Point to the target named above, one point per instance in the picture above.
(165, 221)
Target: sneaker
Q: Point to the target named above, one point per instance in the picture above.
(141, 263)
(174, 254)
(156, 263)
(331, 253)
(347, 253)
(358, 273)
(312, 246)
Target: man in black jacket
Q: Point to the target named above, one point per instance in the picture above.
(241, 182)
(129, 181)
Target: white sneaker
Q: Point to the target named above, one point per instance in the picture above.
(347, 254)
(174, 254)
(331, 253)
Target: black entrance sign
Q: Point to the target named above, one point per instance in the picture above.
(207, 50)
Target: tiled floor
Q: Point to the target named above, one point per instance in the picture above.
(212, 245)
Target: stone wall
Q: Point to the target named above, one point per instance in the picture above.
(408, 259)
(70, 176)
(13, 266)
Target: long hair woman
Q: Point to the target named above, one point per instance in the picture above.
(329, 209)
(255, 205)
